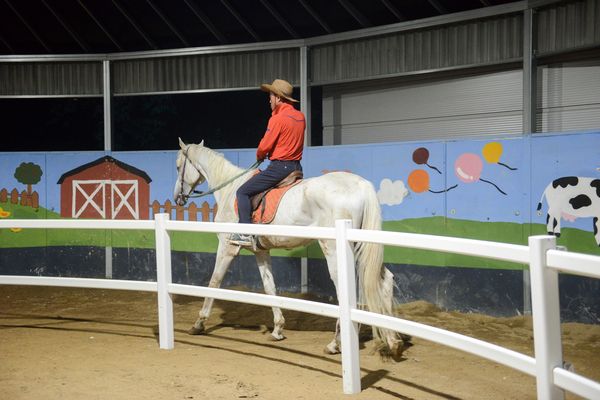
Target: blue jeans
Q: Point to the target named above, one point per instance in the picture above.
(275, 172)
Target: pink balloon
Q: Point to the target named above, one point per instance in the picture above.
(468, 167)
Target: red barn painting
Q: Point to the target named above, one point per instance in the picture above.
(105, 189)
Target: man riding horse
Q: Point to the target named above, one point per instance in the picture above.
(282, 144)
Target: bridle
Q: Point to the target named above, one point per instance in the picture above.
(183, 198)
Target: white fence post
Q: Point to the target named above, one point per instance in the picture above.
(546, 317)
(166, 331)
(346, 291)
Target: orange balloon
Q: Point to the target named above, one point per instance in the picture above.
(418, 181)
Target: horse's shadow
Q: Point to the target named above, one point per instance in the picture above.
(241, 316)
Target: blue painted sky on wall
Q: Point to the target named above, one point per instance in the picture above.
(505, 186)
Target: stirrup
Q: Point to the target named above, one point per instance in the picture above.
(242, 240)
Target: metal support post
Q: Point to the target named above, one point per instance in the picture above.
(304, 275)
(305, 100)
(529, 110)
(107, 97)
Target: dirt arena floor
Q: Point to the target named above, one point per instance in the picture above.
(60, 343)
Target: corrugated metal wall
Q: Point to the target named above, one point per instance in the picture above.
(205, 72)
(569, 97)
(485, 103)
(51, 79)
(490, 41)
(430, 109)
(568, 26)
(561, 27)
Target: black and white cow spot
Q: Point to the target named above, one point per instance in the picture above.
(565, 181)
(580, 201)
(569, 198)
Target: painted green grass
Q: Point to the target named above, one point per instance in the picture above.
(181, 241)
(574, 239)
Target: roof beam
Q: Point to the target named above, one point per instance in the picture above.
(108, 35)
(206, 21)
(135, 25)
(393, 10)
(241, 20)
(357, 15)
(29, 28)
(280, 19)
(79, 41)
(438, 6)
(168, 23)
(316, 16)
(6, 44)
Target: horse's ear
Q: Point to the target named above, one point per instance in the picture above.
(201, 143)
(181, 144)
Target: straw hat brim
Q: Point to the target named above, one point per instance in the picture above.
(267, 87)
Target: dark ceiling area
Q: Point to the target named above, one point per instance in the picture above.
(110, 26)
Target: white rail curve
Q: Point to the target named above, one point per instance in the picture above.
(544, 260)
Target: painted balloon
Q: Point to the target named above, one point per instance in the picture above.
(492, 152)
(418, 181)
(421, 156)
(468, 167)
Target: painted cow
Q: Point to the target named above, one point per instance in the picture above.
(569, 198)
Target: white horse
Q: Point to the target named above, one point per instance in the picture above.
(313, 202)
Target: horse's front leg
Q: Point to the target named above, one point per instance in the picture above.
(225, 255)
(263, 259)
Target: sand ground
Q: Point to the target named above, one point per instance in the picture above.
(61, 343)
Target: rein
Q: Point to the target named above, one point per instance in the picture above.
(196, 194)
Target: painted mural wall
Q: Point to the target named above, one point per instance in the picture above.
(501, 189)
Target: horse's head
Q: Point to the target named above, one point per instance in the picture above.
(188, 174)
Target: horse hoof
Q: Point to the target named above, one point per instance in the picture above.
(406, 339)
(195, 331)
(396, 349)
(331, 349)
(272, 338)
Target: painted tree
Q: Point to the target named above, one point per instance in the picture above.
(28, 174)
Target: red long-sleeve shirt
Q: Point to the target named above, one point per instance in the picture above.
(284, 138)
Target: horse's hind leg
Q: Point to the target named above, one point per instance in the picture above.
(263, 259)
(328, 248)
(395, 344)
(225, 255)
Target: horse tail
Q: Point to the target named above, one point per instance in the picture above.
(369, 256)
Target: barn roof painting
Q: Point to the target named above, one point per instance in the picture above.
(104, 159)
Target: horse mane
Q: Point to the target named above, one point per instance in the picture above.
(220, 168)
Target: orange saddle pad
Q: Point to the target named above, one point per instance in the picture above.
(267, 208)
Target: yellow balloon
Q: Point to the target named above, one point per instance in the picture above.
(492, 152)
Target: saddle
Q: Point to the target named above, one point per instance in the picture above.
(264, 204)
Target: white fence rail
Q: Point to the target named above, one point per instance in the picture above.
(544, 260)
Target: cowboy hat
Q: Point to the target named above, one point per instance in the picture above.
(280, 88)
